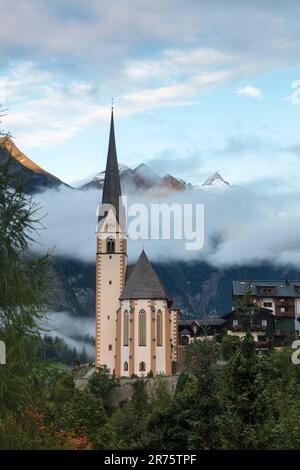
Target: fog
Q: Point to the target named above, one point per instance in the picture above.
(242, 225)
(71, 329)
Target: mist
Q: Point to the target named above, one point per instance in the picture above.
(73, 330)
(242, 225)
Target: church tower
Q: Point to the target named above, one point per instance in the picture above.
(111, 259)
(136, 321)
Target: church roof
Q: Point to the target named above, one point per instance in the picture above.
(143, 282)
(112, 188)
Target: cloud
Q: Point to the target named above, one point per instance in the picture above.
(250, 91)
(244, 225)
(73, 330)
(160, 53)
(93, 32)
(237, 158)
(294, 98)
(44, 113)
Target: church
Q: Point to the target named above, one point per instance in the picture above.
(136, 321)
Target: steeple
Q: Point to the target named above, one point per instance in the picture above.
(112, 187)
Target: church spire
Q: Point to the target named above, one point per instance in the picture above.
(112, 187)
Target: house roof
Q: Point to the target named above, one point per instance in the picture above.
(234, 312)
(282, 288)
(143, 282)
(211, 322)
(185, 332)
(203, 322)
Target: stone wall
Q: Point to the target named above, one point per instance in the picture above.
(123, 392)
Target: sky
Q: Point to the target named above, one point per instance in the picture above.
(198, 86)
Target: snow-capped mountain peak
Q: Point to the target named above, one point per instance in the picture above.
(216, 181)
(100, 176)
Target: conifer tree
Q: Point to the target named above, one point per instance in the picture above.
(23, 280)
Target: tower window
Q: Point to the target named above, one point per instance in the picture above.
(159, 328)
(110, 245)
(110, 347)
(125, 366)
(126, 328)
(142, 328)
(109, 282)
(142, 367)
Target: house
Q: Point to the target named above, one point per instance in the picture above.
(262, 327)
(282, 298)
(189, 330)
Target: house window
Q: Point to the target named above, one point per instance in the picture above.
(264, 323)
(283, 309)
(142, 367)
(142, 328)
(262, 338)
(126, 328)
(125, 366)
(235, 323)
(267, 304)
(110, 245)
(159, 328)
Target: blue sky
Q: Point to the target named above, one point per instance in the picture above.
(199, 86)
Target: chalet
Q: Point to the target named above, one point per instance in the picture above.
(282, 298)
(262, 327)
(189, 330)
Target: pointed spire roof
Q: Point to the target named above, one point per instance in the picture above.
(143, 282)
(112, 188)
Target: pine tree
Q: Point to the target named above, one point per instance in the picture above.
(23, 281)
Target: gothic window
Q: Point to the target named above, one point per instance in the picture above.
(110, 245)
(142, 328)
(159, 328)
(125, 366)
(142, 367)
(126, 328)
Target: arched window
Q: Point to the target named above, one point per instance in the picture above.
(159, 328)
(126, 328)
(110, 245)
(142, 367)
(142, 328)
(125, 366)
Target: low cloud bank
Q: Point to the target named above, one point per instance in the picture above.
(243, 225)
(77, 332)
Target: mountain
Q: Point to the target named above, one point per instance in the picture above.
(216, 182)
(35, 178)
(140, 179)
(198, 288)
